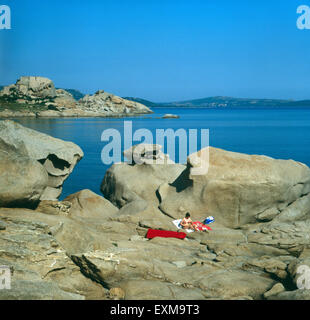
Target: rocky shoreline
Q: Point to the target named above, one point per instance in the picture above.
(37, 97)
(93, 247)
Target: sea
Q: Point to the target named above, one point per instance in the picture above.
(282, 133)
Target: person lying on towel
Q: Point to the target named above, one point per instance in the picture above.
(187, 222)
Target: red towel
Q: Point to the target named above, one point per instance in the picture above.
(152, 233)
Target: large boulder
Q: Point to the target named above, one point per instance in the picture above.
(147, 153)
(238, 189)
(88, 204)
(22, 180)
(133, 189)
(58, 157)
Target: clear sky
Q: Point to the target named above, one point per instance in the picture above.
(161, 50)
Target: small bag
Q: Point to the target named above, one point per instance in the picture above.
(209, 220)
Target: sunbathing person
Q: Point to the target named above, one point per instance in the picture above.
(187, 223)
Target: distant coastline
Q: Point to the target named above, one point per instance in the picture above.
(46, 100)
(224, 102)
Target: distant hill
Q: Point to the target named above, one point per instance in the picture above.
(220, 101)
(224, 102)
(302, 103)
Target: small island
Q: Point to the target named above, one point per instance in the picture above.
(38, 97)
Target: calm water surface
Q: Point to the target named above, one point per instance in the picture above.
(279, 133)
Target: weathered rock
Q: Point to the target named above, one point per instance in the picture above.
(37, 290)
(22, 180)
(54, 207)
(147, 153)
(254, 242)
(271, 265)
(38, 261)
(57, 156)
(299, 294)
(51, 193)
(238, 187)
(268, 214)
(116, 294)
(136, 195)
(292, 237)
(89, 248)
(276, 289)
(2, 226)
(88, 204)
(148, 260)
(157, 290)
(235, 283)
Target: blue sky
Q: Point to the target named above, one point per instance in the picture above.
(162, 50)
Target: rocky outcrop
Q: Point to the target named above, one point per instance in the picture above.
(239, 189)
(147, 153)
(88, 204)
(90, 247)
(57, 158)
(63, 100)
(104, 102)
(30, 88)
(137, 195)
(260, 237)
(37, 97)
(32, 91)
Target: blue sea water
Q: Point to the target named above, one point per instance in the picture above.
(279, 133)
